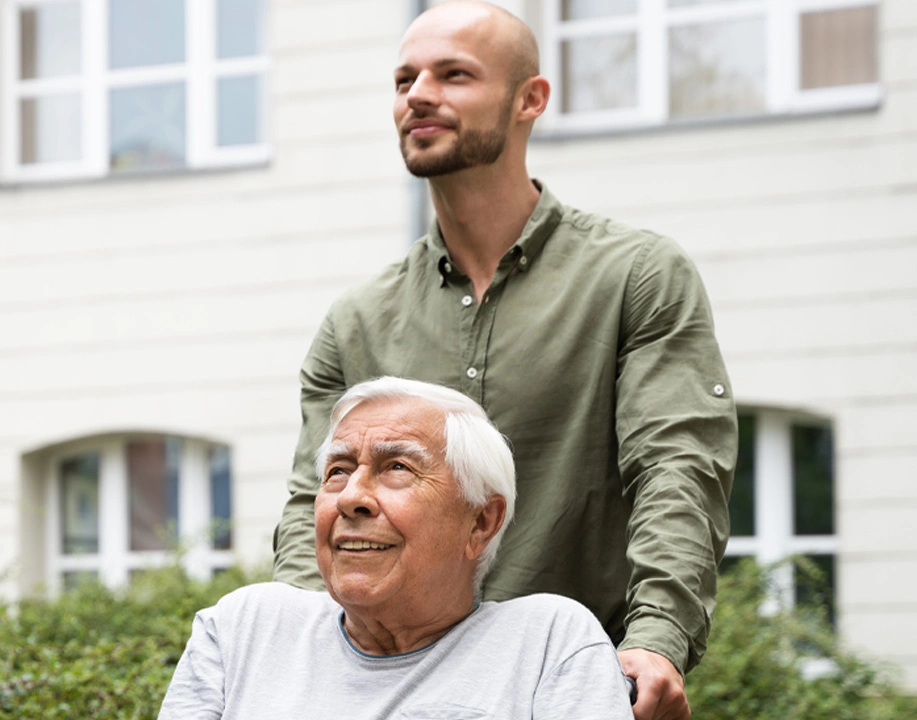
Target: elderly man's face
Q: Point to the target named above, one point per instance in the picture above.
(391, 523)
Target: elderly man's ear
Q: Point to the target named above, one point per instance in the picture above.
(488, 520)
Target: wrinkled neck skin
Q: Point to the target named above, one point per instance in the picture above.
(382, 632)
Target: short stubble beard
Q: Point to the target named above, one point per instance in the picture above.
(472, 148)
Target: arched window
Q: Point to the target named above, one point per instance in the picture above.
(116, 505)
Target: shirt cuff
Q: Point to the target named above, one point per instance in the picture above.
(659, 636)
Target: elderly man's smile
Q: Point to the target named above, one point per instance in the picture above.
(361, 545)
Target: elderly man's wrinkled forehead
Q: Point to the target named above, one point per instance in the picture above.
(387, 423)
(491, 33)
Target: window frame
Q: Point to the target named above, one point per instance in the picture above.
(652, 22)
(775, 539)
(200, 72)
(114, 561)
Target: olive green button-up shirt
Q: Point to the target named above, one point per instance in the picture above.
(593, 351)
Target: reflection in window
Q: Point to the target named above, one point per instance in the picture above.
(76, 578)
(599, 73)
(148, 127)
(838, 47)
(79, 503)
(239, 28)
(717, 69)
(153, 471)
(742, 500)
(583, 9)
(145, 32)
(49, 41)
(50, 129)
(813, 480)
(221, 497)
(238, 106)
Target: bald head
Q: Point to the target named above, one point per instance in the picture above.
(512, 42)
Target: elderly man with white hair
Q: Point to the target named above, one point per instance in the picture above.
(417, 487)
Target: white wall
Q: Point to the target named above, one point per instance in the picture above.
(186, 303)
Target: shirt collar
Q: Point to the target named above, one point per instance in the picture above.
(541, 223)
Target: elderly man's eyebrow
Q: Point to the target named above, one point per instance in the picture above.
(338, 451)
(402, 448)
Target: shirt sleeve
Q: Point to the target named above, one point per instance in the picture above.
(322, 383)
(196, 689)
(678, 436)
(589, 685)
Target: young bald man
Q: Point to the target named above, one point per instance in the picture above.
(589, 344)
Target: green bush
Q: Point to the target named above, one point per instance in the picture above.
(755, 664)
(95, 653)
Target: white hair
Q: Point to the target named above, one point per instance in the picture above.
(477, 454)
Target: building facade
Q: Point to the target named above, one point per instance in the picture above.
(186, 185)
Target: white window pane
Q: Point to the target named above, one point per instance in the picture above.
(152, 472)
(49, 41)
(79, 493)
(838, 47)
(148, 127)
(239, 28)
(599, 73)
(717, 69)
(145, 32)
(238, 106)
(583, 9)
(50, 129)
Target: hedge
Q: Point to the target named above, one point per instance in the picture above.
(95, 653)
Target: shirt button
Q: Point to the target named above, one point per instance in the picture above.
(467, 300)
(471, 373)
(447, 267)
(523, 260)
(718, 389)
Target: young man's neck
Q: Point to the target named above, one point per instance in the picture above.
(481, 213)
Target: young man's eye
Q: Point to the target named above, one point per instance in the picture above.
(403, 82)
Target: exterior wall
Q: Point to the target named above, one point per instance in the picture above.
(185, 303)
(806, 234)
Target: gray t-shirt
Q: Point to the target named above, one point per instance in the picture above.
(277, 652)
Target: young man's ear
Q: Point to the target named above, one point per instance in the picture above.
(534, 94)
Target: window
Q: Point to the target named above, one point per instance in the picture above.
(782, 502)
(94, 88)
(630, 63)
(119, 505)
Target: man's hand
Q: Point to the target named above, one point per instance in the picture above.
(660, 687)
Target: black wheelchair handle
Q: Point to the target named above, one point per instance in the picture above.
(631, 688)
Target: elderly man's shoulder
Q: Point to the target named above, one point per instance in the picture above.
(274, 599)
(554, 614)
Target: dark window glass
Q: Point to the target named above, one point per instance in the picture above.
(815, 584)
(152, 469)
(813, 480)
(75, 579)
(742, 500)
(79, 483)
(221, 497)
